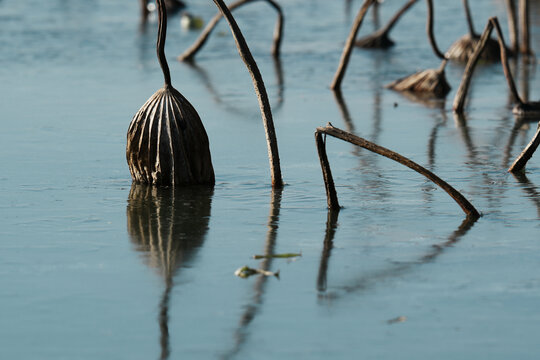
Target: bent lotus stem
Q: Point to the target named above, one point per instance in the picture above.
(430, 34)
(393, 21)
(527, 153)
(190, 53)
(465, 205)
(260, 90)
(461, 94)
(162, 34)
(379, 39)
(345, 56)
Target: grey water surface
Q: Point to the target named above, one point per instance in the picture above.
(93, 267)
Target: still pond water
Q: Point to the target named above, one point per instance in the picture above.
(92, 267)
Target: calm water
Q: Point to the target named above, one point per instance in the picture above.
(95, 268)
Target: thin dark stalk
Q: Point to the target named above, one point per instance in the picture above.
(344, 61)
(162, 34)
(469, 19)
(331, 195)
(512, 26)
(393, 21)
(465, 205)
(504, 61)
(527, 153)
(190, 53)
(429, 30)
(260, 90)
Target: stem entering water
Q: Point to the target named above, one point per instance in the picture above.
(260, 90)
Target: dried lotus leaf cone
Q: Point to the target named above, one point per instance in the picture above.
(166, 141)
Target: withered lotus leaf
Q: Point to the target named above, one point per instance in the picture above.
(166, 141)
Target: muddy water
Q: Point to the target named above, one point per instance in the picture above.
(92, 267)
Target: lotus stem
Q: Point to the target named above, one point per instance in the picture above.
(504, 61)
(527, 153)
(331, 194)
(429, 30)
(469, 19)
(465, 205)
(512, 26)
(260, 90)
(344, 61)
(190, 53)
(461, 94)
(393, 21)
(160, 48)
(524, 17)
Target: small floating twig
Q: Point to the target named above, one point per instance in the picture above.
(347, 49)
(277, 256)
(332, 200)
(190, 53)
(380, 39)
(260, 90)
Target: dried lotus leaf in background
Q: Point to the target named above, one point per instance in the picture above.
(167, 143)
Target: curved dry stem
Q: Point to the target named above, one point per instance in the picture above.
(260, 90)
(344, 61)
(429, 30)
(393, 21)
(504, 61)
(190, 53)
(162, 34)
(465, 205)
(380, 39)
(527, 153)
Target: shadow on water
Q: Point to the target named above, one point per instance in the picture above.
(253, 307)
(364, 283)
(328, 244)
(168, 226)
(530, 189)
(208, 83)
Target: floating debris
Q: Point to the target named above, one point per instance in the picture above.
(245, 272)
(277, 256)
(191, 22)
(396, 320)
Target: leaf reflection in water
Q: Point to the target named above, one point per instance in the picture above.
(168, 226)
